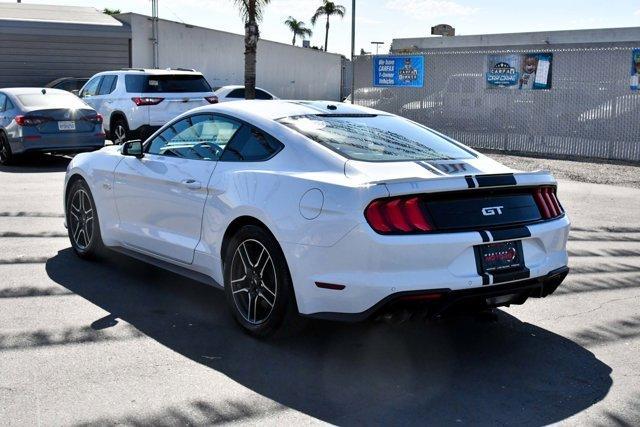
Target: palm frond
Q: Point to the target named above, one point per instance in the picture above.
(243, 8)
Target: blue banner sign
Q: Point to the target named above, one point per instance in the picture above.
(394, 71)
(635, 69)
(530, 71)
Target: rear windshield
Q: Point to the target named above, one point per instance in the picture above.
(374, 138)
(166, 83)
(51, 100)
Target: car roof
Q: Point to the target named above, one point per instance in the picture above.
(30, 90)
(151, 71)
(287, 108)
(234, 87)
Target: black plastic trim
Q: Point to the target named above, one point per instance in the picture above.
(510, 234)
(499, 180)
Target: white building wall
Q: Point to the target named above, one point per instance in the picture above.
(288, 72)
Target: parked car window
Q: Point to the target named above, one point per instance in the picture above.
(3, 99)
(52, 100)
(91, 89)
(376, 138)
(171, 83)
(9, 105)
(251, 145)
(198, 137)
(107, 85)
(236, 93)
(260, 94)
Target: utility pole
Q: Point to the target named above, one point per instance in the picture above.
(377, 45)
(353, 51)
(154, 32)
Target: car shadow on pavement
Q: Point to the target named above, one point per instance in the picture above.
(38, 163)
(458, 371)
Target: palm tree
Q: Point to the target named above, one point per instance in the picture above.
(251, 11)
(298, 28)
(328, 9)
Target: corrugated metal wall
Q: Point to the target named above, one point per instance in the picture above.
(590, 110)
(35, 53)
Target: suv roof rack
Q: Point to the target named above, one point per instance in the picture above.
(182, 69)
(132, 69)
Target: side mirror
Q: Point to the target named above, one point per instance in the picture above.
(76, 92)
(133, 148)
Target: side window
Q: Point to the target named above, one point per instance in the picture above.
(198, 137)
(236, 93)
(9, 106)
(260, 94)
(251, 145)
(107, 84)
(3, 99)
(91, 89)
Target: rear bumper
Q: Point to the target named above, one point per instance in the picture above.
(436, 302)
(56, 144)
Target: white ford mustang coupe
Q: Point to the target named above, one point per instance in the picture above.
(320, 209)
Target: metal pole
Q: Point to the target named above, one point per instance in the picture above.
(353, 51)
(154, 30)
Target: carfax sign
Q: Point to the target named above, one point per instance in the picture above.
(530, 71)
(398, 71)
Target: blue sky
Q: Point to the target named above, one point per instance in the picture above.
(383, 20)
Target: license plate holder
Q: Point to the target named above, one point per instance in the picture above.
(66, 125)
(502, 257)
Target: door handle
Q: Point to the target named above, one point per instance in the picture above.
(192, 184)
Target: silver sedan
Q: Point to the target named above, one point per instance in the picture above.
(46, 120)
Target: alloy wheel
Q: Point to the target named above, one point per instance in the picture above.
(254, 283)
(120, 133)
(81, 219)
(4, 149)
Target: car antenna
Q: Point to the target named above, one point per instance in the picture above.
(331, 107)
(44, 91)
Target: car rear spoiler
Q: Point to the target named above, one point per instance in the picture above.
(399, 187)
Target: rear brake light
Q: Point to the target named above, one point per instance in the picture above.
(211, 99)
(397, 216)
(139, 101)
(96, 118)
(31, 120)
(547, 202)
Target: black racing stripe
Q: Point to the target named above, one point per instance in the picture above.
(430, 168)
(485, 236)
(470, 182)
(485, 277)
(511, 276)
(496, 180)
(510, 234)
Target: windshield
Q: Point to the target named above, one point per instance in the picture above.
(51, 100)
(172, 83)
(376, 138)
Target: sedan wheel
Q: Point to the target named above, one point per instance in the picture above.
(82, 221)
(254, 282)
(120, 132)
(258, 284)
(6, 156)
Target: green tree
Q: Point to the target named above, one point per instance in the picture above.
(327, 9)
(251, 12)
(110, 11)
(298, 28)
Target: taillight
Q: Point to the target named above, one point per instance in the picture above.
(139, 101)
(31, 120)
(397, 216)
(211, 99)
(96, 118)
(547, 202)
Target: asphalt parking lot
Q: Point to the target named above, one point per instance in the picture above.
(121, 342)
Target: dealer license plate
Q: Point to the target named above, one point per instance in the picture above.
(500, 257)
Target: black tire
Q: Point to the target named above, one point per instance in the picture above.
(263, 303)
(83, 226)
(6, 155)
(119, 131)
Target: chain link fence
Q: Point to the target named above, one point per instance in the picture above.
(590, 110)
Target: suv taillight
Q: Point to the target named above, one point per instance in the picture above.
(30, 120)
(397, 215)
(547, 202)
(211, 99)
(140, 101)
